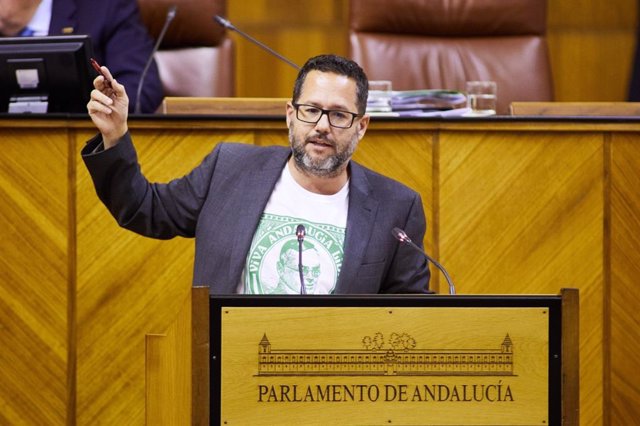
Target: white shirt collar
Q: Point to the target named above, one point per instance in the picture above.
(41, 19)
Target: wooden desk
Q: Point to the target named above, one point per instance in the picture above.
(514, 206)
(226, 106)
(576, 109)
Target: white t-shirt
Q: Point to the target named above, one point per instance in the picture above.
(272, 262)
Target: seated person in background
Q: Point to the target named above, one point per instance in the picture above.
(634, 87)
(120, 40)
(243, 203)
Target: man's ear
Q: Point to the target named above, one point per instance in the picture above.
(290, 111)
(363, 124)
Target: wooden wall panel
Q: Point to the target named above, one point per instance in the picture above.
(522, 213)
(297, 30)
(592, 66)
(591, 45)
(270, 137)
(624, 397)
(34, 274)
(128, 286)
(168, 377)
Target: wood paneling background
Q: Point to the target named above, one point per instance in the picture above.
(623, 392)
(295, 29)
(591, 44)
(523, 213)
(36, 265)
(129, 287)
(89, 310)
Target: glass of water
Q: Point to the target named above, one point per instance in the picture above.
(481, 98)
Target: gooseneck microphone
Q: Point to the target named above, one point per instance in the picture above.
(300, 233)
(171, 13)
(402, 236)
(228, 25)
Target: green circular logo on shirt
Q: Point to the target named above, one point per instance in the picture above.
(272, 262)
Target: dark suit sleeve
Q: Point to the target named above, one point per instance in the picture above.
(409, 271)
(151, 209)
(123, 45)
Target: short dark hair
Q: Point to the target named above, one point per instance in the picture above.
(337, 65)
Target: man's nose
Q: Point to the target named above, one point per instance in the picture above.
(323, 123)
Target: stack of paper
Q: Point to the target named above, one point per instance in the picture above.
(427, 99)
(379, 101)
(415, 102)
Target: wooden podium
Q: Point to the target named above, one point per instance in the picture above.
(411, 360)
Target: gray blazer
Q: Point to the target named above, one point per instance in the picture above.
(220, 203)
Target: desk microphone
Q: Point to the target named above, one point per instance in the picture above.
(404, 238)
(228, 25)
(171, 13)
(300, 233)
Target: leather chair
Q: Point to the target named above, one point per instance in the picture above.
(441, 44)
(196, 57)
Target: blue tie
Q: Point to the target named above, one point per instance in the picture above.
(26, 32)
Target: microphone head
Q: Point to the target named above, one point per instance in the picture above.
(300, 232)
(400, 235)
(171, 13)
(225, 23)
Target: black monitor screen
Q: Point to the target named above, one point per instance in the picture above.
(45, 74)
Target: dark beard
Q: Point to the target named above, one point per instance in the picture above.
(327, 168)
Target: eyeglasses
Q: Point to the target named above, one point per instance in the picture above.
(313, 114)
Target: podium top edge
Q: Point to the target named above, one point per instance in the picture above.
(376, 300)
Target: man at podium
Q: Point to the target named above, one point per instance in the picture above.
(246, 205)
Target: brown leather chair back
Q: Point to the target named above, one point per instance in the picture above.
(441, 44)
(196, 57)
